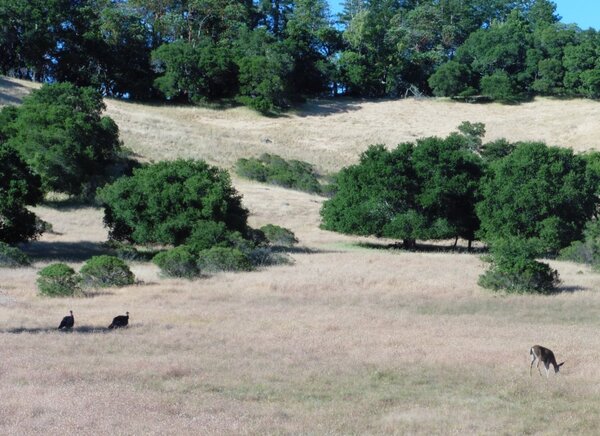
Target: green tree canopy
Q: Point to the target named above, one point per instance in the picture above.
(195, 71)
(449, 174)
(165, 202)
(538, 192)
(281, 51)
(422, 191)
(60, 133)
(371, 193)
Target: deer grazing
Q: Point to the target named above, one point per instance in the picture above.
(544, 355)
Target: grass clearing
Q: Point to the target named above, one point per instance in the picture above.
(348, 340)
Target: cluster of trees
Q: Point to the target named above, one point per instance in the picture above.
(270, 53)
(524, 55)
(191, 206)
(58, 141)
(524, 200)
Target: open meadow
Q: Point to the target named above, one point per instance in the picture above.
(353, 338)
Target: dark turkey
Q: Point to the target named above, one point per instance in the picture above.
(119, 321)
(67, 322)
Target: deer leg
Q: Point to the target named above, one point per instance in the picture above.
(538, 367)
(531, 366)
(547, 365)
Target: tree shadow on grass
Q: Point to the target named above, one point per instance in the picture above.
(78, 251)
(569, 289)
(71, 204)
(10, 99)
(301, 250)
(295, 250)
(324, 108)
(422, 248)
(84, 329)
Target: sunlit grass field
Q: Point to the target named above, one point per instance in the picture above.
(354, 338)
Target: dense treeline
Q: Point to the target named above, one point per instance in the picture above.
(271, 53)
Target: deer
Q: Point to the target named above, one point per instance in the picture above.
(544, 355)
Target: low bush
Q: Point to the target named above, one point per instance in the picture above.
(223, 259)
(273, 169)
(280, 236)
(58, 280)
(177, 262)
(536, 277)
(105, 271)
(12, 257)
(515, 270)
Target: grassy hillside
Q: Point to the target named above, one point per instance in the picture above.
(348, 340)
(332, 133)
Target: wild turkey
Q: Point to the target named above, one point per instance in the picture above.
(119, 321)
(67, 322)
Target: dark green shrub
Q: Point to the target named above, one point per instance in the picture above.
(223, 259)
(515, 270)
(165, 202)
(177, 262)
(252, 168)
(58, 280)
(273, 169)
(277, 235)
(12, 257)
(255, 238)
(105, 271)
(536, 277)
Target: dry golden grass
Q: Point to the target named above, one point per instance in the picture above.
(348, 340)
(331, 134)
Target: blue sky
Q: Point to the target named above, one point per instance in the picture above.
(584, 13)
